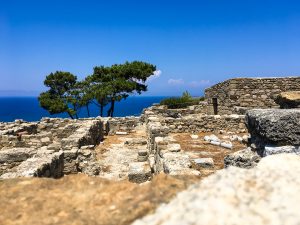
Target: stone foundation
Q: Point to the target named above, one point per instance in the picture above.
(33, 147)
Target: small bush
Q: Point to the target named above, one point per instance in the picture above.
(181, 102)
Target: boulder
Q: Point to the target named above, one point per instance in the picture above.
(289, 99)
(267, 194)
(276, 127)
(245, 159)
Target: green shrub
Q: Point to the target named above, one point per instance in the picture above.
(181, 102)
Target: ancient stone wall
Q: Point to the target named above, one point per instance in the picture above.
(206, 123)
(193, 122)
(163, 111)
(120, 124)
(234, 94)
(35, 145)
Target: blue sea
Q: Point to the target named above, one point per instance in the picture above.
(28, 108)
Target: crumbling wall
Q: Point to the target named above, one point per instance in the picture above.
(205, 123)
(192, 123)
(23, 144)
(120, 124)
(248, 93)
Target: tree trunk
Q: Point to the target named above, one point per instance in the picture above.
(88, 110)
(74, 107)
(101, 110)
(70, 115)
(112, 108)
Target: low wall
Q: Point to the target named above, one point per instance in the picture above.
(21, 141)
(205, 123)
(124, 124)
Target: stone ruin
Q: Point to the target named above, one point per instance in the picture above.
(240, 94)
(57, 147)
(48, 148)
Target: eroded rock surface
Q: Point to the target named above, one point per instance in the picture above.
(245, 158)
(273, 127)
(266, 194)
(289, 99)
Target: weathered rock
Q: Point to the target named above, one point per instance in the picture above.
(211, 138)
(226, 145)
(121, 133)
(194, 136)
(265, 195)
(16, 154)
(245, 159)
(203, 163)
(273, 127)
(43, 165)
(135, 141)
(139, 172)
(174, 147)
(143, 152)
(289, 99)
(271, 150)
(142, 158)
(174, 162)
(91, 168)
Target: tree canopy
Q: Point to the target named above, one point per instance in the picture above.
(107, 84)
(62, 95)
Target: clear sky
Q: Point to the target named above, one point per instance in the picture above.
(193, 43)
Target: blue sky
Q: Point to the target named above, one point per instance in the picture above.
(193, 43)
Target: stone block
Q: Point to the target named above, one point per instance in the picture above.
(139, 172)
(200, 163)
(271, 150)
(274, 127)
(245, 159)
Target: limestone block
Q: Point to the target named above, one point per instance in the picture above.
(121, 133)
(193, 136)
(174, 162)
(16, 154)
(139, 172)
(200, 163)
(226, 145)
(245, 159)
(143, 152)
(271, 150)
(174, 147)
(274, 126)
(45, 165)
(211, 138)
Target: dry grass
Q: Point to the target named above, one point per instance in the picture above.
(79, 199)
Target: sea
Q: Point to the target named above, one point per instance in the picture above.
(28, 108)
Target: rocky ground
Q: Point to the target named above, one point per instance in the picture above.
(266, 193)
(118, 151)
(198, 148)
(79, 199)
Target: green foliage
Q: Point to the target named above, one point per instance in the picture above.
(62, 95)
(106, 85)
(114, 83)
(181, 102)
(186, 95)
